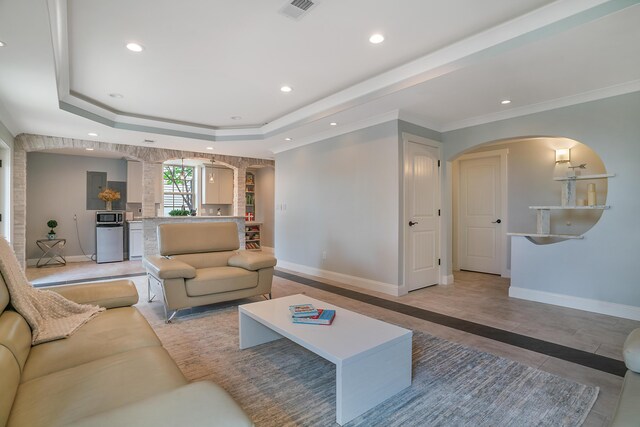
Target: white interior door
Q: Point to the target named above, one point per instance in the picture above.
(480, 208)
(422, 204)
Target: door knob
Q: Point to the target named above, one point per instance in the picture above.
(412, 223)
(498, 221)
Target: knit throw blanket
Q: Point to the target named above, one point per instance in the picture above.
(50, 315)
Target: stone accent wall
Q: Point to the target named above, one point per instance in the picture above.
(149, 156)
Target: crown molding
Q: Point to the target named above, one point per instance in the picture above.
(594, 95)
(543, 22)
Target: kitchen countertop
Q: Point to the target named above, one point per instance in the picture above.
(178, 218)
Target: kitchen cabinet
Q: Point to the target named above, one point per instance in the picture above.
(134, 182)
(217, 186)
(135, 240)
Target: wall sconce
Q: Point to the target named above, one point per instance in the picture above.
(563, 155)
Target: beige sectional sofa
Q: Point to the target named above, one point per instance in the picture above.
(113, 371)
(200, 264)
(627, 413)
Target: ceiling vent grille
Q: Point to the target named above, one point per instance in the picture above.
(295, 9)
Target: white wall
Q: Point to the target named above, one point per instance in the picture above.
(6, 155)
(603, 268)
(265, 201)
(56, 189)
(341, 196)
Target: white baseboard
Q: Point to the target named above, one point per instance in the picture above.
(592, 305)
(31, 262)
(360, 282)
(446, 280)
(267, 249)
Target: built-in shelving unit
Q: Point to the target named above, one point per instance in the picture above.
(250, 197)
(543, 214)
(252, 236)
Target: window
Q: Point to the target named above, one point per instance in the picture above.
(179, 193)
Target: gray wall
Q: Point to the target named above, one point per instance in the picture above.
(265, 201)
(342, 198)
(604, 266)
(530, 169)
(56, 189)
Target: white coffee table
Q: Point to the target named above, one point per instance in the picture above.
(372, 358)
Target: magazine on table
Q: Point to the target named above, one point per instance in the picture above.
(324, 317)
(303, 310)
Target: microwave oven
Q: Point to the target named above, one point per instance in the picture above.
(109, 217)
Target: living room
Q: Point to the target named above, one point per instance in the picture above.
(346, 227)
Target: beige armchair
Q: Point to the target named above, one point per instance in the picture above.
(200, 264)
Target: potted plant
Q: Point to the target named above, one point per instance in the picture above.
(109, 196)
(179, 212)
(52, 223)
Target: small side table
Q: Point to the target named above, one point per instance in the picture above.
(52, 252)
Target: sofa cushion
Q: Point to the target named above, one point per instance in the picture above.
(112, 294)
(110, 332)
(15, 335)
(191, 238)
(627, 412)
(4, 294)
(68, 395)
(220, 279)
(631, 351)
(197, 404)
(9, 381)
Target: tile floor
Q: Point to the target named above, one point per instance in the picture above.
(475, 297)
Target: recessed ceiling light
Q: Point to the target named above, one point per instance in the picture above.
(376, 38)
(286, 89)
(333, 124)
(2, 44)
(89, 149)
(92, 134)
(116, 95)
(505, 101)
(209, 148)
(236, 117)
(287, 139)
(135, 47)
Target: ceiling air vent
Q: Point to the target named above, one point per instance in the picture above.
(295, 9)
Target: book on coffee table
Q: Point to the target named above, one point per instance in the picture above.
(303, 310)
(324, 317)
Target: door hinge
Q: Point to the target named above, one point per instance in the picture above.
(438, 212)
(438, 261)
(0, 163)
(438, 163)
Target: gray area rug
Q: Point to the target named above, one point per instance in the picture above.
(283, 384)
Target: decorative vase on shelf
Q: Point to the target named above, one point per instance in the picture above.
(108, 205)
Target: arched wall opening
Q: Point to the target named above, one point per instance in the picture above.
(151, 159)
(529, 170)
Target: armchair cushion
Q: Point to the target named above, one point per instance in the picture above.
(220, 279)
(252, 260)
(118, 293)
(168, 268)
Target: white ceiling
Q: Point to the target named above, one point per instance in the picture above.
(444, 65)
